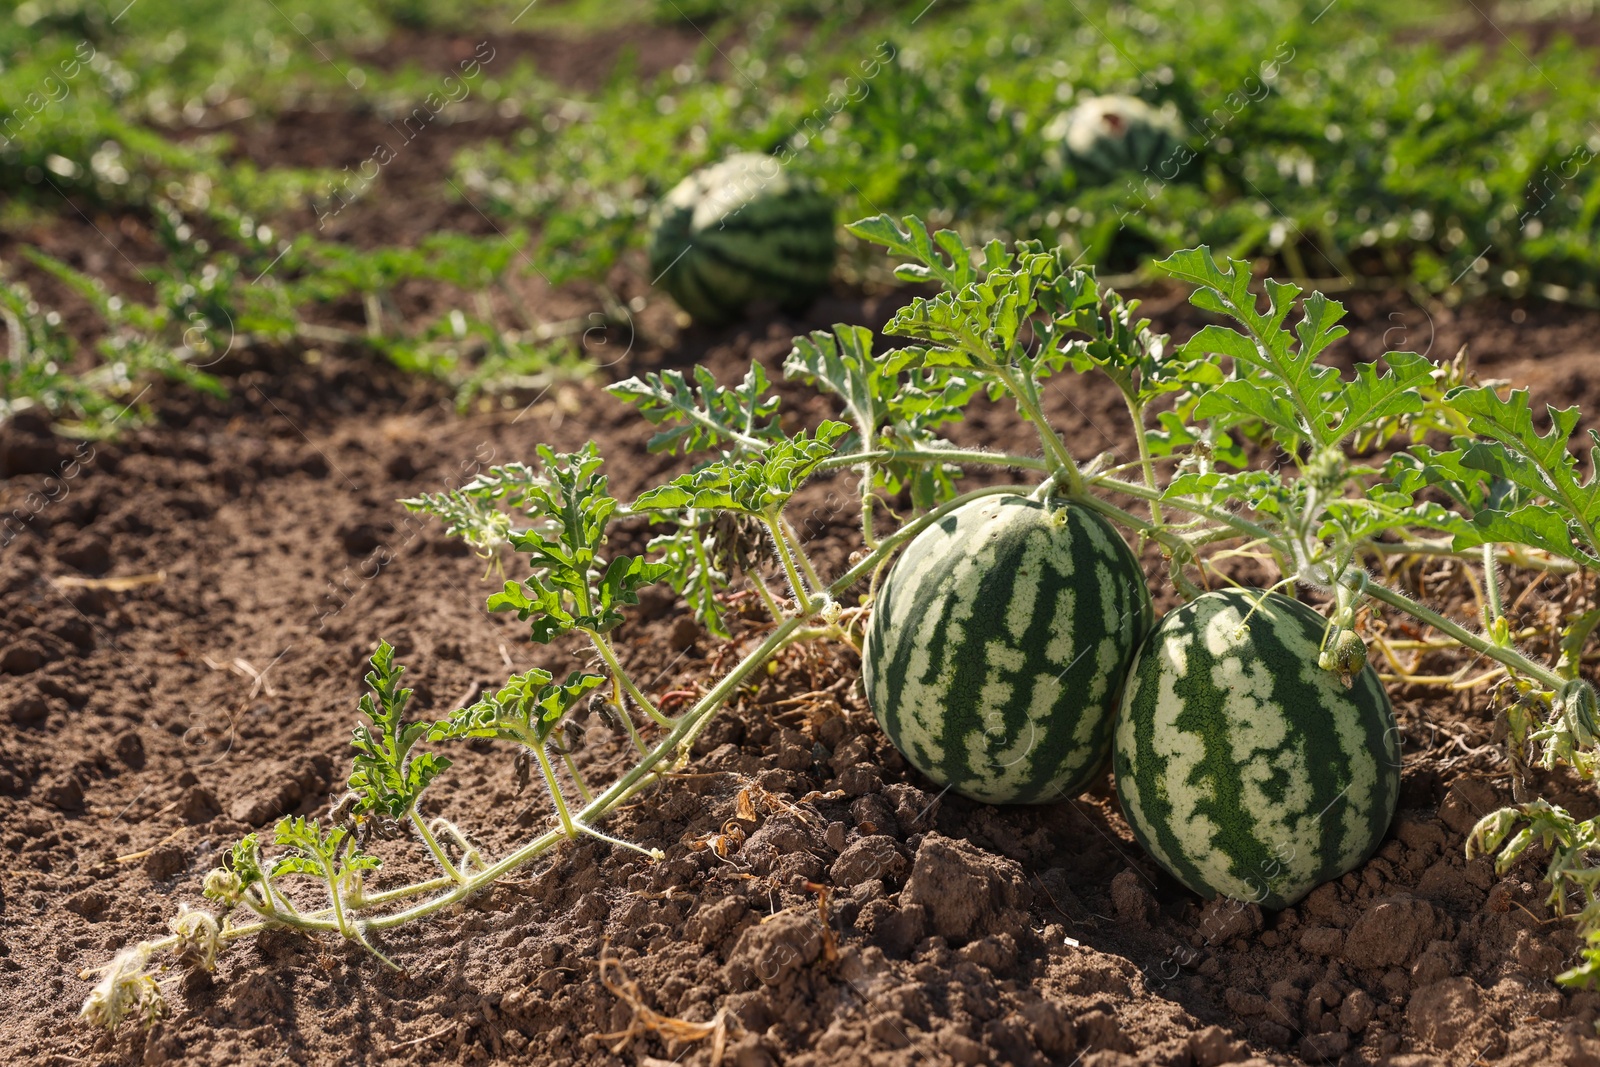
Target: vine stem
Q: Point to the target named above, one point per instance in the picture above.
(801, 554)
(869, 536)
(607, 653)
(1062, 462)
(1491, 588)
(549, 773)
(1193, 507)
(1509, 555)
(1516, 661)
(637, 777)
(780, 542)
(433, 844)
(939, 455)
(761, 589)
(1146, 464)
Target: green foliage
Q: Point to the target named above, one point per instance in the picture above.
(477, 512)
(703, 415)
(331, 855)
(572, 587)
(891, 407)
(1307, 405)
(526, 709)
(1325, 138)
(1000, 319)
(761, 485)
(386, 776)
(1573, 878)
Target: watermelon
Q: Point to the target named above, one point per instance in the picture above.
(998, 645)
(1104, 137)
(742, 230)
(1244, 768)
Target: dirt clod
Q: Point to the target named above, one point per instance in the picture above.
(966, 892)
(874, 856)
(1131, 898)
(772, 951)
(1442, 1012)
(1391, 932)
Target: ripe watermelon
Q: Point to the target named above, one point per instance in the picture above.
(998, 645)
(1105, 137)
(742, 230)
(1244, 768)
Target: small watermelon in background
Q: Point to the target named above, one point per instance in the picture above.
(998, 646)
(742, 230)
(1244, 768)
(1105, 137)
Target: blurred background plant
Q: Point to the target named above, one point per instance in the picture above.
(1358, 145)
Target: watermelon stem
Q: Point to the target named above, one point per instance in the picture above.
(1025, 389)
(760, 584)
(800, 554)
(1508, 657)
(1492, 610)
(603, 644)
(797, 584)
(1136, 413)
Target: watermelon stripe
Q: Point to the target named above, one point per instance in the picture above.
(1244, 768)
(754, 232)
(995, 655)
(763, 266)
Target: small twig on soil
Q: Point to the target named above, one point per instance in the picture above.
(142, 853)
(646, 1020)
(447, 1028)
(830, 943)
(119, 584)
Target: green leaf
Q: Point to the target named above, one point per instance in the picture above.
(571, 585)
(526, 709)
(1574, 635)
(702, 414)
(842, 362)
(691, 571)
(1176, 434)
(942, 257)
(1373, 397)
(1242, 398)
(385, 776)
(315, 853)
(477, 512)
(1541, 465)
(1542, 526)
(1277, 378)
(758, 486)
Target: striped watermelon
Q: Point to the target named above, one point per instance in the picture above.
(1244, 768)
(742, 230)
(998, 646)
(1105, 137)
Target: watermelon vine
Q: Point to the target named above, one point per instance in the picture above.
(1249, 444)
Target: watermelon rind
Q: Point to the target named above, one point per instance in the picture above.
(1244, 768)
(739, 231)
(998, 645)
(1104, 137)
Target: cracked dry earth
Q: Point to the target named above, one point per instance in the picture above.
(255, 555)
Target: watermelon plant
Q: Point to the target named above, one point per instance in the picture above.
(1247, 443)
(742, 230)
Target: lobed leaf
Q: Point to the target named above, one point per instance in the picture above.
(702, 414)
(757, 486)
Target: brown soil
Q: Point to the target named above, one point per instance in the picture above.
(141, 745)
